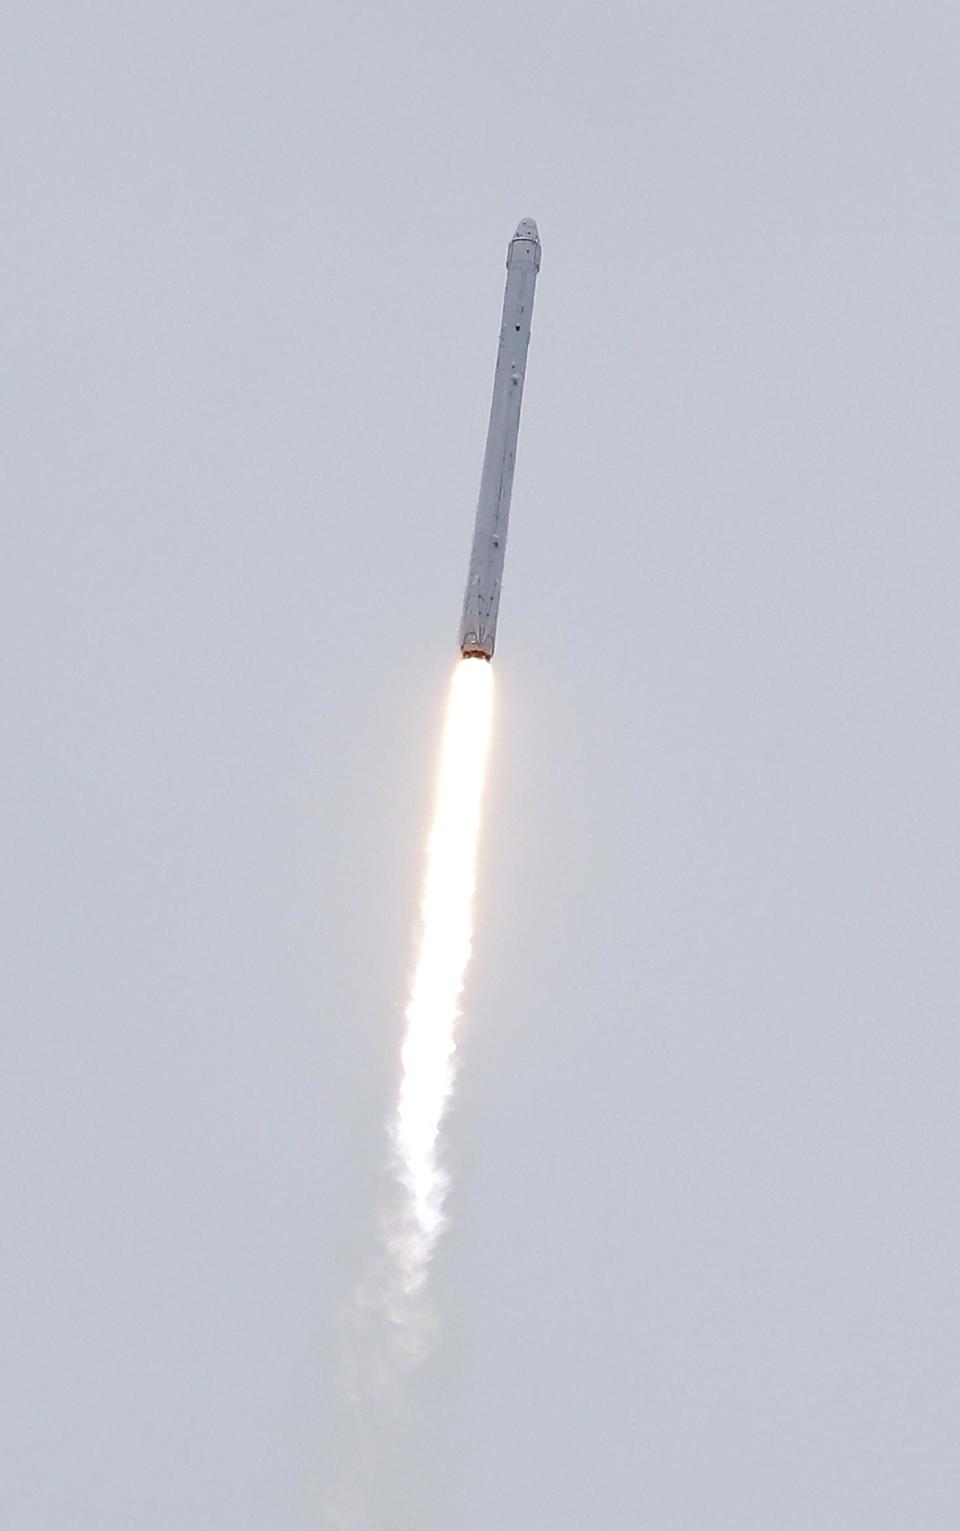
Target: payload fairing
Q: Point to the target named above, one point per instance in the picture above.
(478, 629)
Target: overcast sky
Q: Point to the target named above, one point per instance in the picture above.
(703, 1268)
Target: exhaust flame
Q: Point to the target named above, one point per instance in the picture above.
(391, 1327)
(428, 1055)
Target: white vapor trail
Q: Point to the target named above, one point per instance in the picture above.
(428, 1055)
(391, 1326)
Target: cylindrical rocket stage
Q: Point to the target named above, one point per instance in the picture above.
(478, 630)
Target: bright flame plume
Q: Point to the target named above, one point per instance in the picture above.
(428, 1054)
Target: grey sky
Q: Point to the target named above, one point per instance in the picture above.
(704, 1263)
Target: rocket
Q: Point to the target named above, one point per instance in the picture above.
(478, 629)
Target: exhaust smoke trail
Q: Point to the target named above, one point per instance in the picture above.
(428, 1053)
(391, 1327)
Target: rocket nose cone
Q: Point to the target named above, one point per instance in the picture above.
(527, 229)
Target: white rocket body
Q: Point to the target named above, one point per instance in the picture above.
(481, 604)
